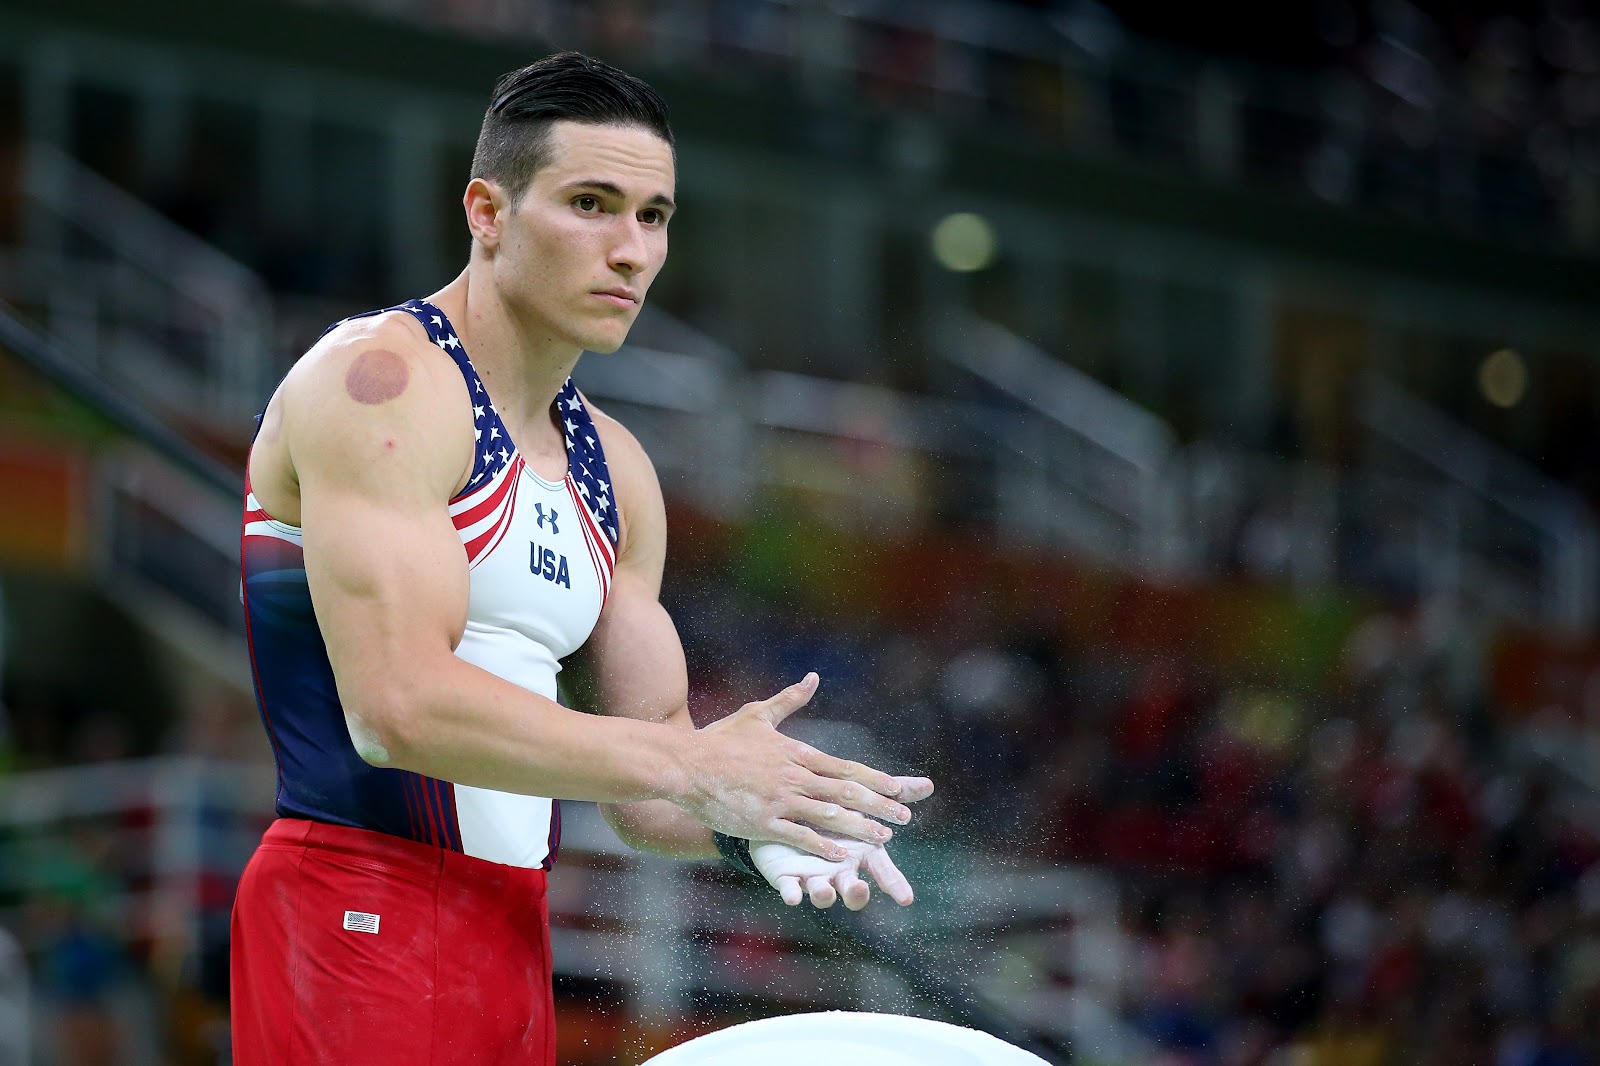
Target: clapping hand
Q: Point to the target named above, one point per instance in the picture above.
(795, 873)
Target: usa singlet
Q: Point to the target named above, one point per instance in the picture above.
(541, 556)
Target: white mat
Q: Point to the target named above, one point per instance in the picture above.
(833, 1037)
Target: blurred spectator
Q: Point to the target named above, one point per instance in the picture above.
(1347, 873)
(79, 960)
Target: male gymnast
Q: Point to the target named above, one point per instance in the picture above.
(427, 533)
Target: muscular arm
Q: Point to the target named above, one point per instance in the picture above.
(376, 466)
(636, 652)
(651, 685)
(639, 660)
(375, 436)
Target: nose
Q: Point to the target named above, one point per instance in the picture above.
(629, 252)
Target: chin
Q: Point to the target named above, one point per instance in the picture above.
(606, 341)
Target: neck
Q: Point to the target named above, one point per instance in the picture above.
(522, 364)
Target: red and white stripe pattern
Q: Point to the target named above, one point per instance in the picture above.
(257, 523)
(601, 551)
(266, 544)
(483, 515)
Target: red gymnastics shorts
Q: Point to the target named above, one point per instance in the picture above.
(352, 947)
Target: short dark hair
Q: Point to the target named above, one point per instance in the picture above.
(514, 141)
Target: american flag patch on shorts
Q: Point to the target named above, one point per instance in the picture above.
(359, 922)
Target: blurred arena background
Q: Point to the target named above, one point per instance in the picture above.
(1173, 430)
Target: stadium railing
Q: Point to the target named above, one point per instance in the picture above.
(176, 822)
(1091, 469)
(1461, 518)
(150, 308)
(1515, 517)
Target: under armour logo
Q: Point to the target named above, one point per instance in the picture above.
(538, 512)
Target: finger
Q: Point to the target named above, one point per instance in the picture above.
(834, 819)
(806, 839)
(854, 891)
(775, 710)
(822, 893)
(889, 877)
(789, 889)
(825, 765)
(858, 798)
(913, 789)
(847, 824)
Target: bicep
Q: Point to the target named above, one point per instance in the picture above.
(639, 664)
(386, 580)
(635, 648)
(637, 655)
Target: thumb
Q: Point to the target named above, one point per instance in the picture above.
(791, 699)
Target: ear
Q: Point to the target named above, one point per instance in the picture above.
(484, 201)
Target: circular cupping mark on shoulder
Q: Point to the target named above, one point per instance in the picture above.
(377, 376)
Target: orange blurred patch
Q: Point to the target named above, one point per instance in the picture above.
(43, 504)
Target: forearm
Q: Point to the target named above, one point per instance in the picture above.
(661, 828)
(457, 722)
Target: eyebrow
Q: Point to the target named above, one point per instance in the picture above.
(610, 189)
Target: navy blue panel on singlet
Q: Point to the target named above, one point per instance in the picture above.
(320, 775)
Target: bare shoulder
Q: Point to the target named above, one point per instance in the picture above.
(368, 361)
(377, 387)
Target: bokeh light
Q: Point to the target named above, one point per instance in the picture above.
(1503, 377)
(964, 242)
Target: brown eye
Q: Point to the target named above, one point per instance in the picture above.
(652, 217)
(587, 203)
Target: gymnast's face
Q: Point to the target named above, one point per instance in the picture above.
(575, 254)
